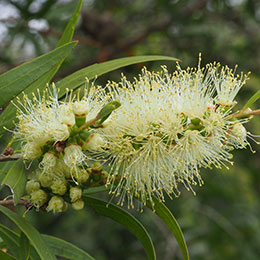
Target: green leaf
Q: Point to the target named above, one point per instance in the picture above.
(16, 80)
(32, 234)
(11, 240)
(8, 115)
(165, 214)
(24, 249)
(77, 79)
(15, 179)
(123, 217)
(5, 256)
(70, 28)
(65, 249)
(252, 100)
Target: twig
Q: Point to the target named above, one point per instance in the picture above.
(5, 158)
(244, 113)
(8, 203)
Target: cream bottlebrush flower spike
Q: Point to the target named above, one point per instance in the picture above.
(168, 127)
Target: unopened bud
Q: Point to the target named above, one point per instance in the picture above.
(32, 186)
(96, 166)
(73, 155)
(56, 204)
(39, 197)
(78, 205)
(75, 193)
(80, 108)
(45, 180)
(94, 143)
(82, 176)
(59, 186)
(32, 151)
(48, 162)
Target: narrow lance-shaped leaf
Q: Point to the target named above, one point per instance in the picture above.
(77, 79)
(15, 179)
(24, 248)
(16, 80)
(32, 234)
(70, 27)
(252, 100)
(165, 214)
(123, 217)
(65, 249)
(10, 240)
(58, 246)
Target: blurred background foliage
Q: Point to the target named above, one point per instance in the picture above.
(223, 220)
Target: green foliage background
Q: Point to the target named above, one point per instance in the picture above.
(223, 220)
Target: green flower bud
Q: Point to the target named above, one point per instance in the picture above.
(45, 180)
(39, 197)
(59, 186)
(78, 205)
(96, 166)
(62, 169)
(75, 193)
(56, 204)
(48, 162)
(82, 176)
(32, 186)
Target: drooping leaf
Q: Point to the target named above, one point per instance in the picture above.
(252, 100)
(24, 247)
(65, 249)
(165, 214)
(32, 234)
(77, 79)
(15, 179)
(17, 79)
(123, 217)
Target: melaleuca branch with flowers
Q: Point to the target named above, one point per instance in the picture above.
(141, 138)
(138, 140)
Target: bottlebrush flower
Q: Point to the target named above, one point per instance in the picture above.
(168, 127)
(44, 120)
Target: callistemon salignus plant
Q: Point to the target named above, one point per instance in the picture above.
(150, 135)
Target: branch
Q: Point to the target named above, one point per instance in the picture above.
(14, 157)
(8, 203)
(244, 113)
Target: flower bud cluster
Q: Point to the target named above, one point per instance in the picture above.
(60, 138)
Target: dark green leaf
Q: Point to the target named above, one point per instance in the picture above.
(123, 217)
(32, 234)
(5, 256)
(252, 100)
(164, 213)
(65, 249)
(16, 80)
(15, 179)
(13, 243)
(77, 79)
(11, 240)
(24, 248)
